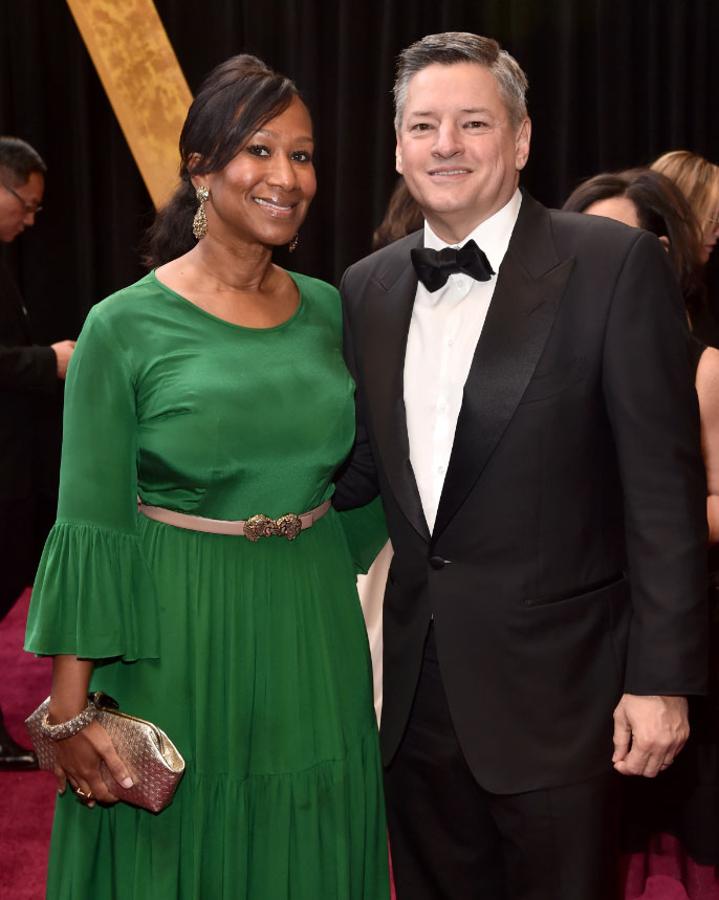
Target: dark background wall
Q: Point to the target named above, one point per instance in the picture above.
(613, 83)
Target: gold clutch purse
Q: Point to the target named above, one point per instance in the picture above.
(155, 764)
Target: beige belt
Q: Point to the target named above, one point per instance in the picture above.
(287, 526)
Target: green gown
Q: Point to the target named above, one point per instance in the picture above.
(253, 657)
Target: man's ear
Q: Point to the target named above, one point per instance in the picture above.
(664, 241)
(521, 144)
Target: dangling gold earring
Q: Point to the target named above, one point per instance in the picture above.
(199, 223)
(294, 243)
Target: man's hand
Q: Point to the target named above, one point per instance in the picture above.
(656, 727)
(63, 352)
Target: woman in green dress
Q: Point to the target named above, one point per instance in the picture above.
(215, 388)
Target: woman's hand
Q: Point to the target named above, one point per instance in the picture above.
(78, 761)
(79, 756)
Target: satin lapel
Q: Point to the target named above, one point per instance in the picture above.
(530, 285)
(386, 319)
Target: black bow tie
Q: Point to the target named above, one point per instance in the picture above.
(433, 267)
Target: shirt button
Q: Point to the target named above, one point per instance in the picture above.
(441, 470)
(450, 342)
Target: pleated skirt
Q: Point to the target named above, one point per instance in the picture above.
(264, 684)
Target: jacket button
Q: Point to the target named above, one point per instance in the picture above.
(437, 562)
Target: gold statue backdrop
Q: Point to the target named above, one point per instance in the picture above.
(143, 80)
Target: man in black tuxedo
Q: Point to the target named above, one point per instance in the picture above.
(30, 379)
(525, 407)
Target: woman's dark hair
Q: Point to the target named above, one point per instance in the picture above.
(236, 99)
(401, 217)
(661, 208)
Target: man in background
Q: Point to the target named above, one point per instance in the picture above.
(31, 379)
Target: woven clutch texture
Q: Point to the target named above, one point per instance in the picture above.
(154, 762)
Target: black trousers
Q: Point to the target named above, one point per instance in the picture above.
(452, 840)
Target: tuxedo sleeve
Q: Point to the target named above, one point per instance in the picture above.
(357, 481)
(28, 369)
(652, 407)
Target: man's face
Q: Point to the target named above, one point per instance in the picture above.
(19, 204)
(457, 149)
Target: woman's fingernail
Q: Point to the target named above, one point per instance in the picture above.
(126, 782)
(90, 804)
(61, 791)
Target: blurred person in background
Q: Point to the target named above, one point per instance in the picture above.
(698, 180)
(31, 377)
(401, 217)
(645, 198)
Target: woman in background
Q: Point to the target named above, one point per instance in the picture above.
(643, 198)
(698, 180)
(223, 607)
(401, 217)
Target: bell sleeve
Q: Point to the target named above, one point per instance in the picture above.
(93, 595)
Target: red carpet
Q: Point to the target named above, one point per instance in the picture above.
(667, 873)
(27, 799)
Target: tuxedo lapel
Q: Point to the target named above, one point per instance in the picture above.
(530, 284)
(388, 311)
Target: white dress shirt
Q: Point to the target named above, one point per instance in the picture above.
(443, 335)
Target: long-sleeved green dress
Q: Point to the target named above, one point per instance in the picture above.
(253, 657)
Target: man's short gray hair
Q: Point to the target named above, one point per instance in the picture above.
(457, 47)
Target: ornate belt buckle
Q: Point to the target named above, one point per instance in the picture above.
(288, 526)
(259, 526)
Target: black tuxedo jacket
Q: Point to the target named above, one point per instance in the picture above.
(29, 395)
(567, 564)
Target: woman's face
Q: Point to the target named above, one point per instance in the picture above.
(263, 194)
(620, 208)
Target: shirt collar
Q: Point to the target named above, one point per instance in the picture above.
(492, 235)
